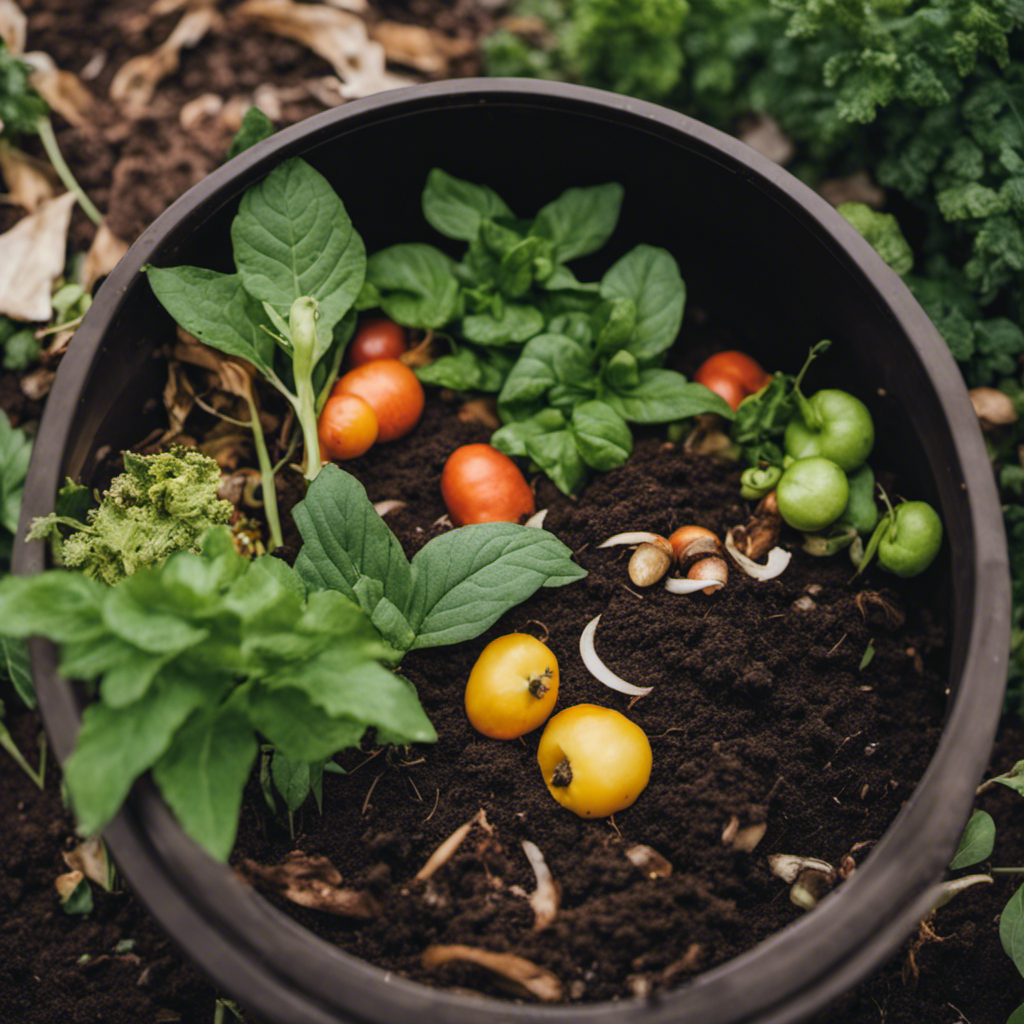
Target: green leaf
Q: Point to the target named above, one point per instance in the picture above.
(559, 456)
(614, 324)
(292, 237)
(256, 127)
(662, 396)
(580, 220)
(456, 208)
(345, 541)
(976, 843)
(63, 606)
(622, 371)
(1013, 779)
(116, 745)
(417, 284)
(460, 372)
(361, 691)
(517, 323)
(143, 626)
(1017, 1017)
(464, 580)
(291, 778)
(546, 360)
(511, 438)
(217, 309)
(17, 667)
(602, 436)
(1011, 929)
(203, 775)
(518, 267)
(297, 727)
(649, 276)
(79, 900)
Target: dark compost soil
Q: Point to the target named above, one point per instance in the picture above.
(759, 712)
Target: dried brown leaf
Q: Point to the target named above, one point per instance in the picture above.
(67, 883)
(29, 182)
(763, 134)
(480, 410)
(36, 385)
(993, 408)
(104, 254)
(446, 850)
(202, 108)
(419, 47)
(32, 258)
(312, 881)
(90, 859)
(880, 608)
(136, 80)
(649, 861)
(13, 26)
(64, 91)
(857, 188)
(520, 976)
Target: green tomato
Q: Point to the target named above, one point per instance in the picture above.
(834, 425)
(910, 544)
(861, 512)
(812, 494)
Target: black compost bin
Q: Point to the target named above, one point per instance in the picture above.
(786, 270)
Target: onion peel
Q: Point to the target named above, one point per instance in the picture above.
(599, 670)
(778, 560)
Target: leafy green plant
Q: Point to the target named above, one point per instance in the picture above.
(161, 504)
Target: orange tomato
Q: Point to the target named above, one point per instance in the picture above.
(732, 375)
(479, 484)
(347, 427)
(391, 390)
(379, 338)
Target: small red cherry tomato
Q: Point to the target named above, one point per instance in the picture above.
(391, 390)
(479, 484)
(732, 375)
(379, 338)
(347, 427)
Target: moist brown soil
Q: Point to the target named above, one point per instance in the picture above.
(743, 720)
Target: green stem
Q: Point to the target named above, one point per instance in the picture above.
(332, 376)
(302, 322)
(49, 141)
(8, 744)
(266, 473)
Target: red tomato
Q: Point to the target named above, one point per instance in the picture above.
(391, 390)
(347, 427)
(733, 375)
(379, 338)
(481, 485)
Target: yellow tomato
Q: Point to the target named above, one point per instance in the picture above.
(594, 760)
(512, 688)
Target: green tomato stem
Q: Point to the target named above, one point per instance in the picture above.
(267, 473)
(49, 141)
(302, 322)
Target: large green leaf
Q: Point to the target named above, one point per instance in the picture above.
(292, 237)
(580, 220)
(546, 360)
(602, 436)
(467, 578)
(290, 720)
(456, 208)
(1011, 929)
(977, 842)
(649, 276)
(217, 309)
(417, 284)
(203, 775)
(64, 606)
(661, 396)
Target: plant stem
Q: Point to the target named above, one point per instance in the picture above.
(266, 473)
(49, 141)
(302, 321)
(8, 744)
(1006, 871)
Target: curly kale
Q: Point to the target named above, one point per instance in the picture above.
(882, 231)
(161, 504)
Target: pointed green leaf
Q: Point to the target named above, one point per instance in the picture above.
(977, 842)
(580, 220)
(296, 726)
(456, 208)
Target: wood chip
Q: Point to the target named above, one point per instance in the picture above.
(312, 881)
(446, 850)
(32, 258)
(649, 861)
(517, 975)
(545, 898)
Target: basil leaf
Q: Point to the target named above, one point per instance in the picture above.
(558, 455)
(297, 727)
(614, 324)
(977, 842)
(565, 397)
(456, 208)
(417, 286)
(291, 779)
(517, 323)
(563, 279)
(63, 606)
(203, 775)
(602, 436)
(460, 372)
(217, 309)
(545, 360)
(345, 542)
(293, 237)
(255, 127)
(1011, 929)
(580, 220)
(466, 579)
(519, 266)
(511, 438)
(498, 239)
(661, 396)
(574, 325)
(116, 745)
(649, 276)
(495, 366)
(622, 371)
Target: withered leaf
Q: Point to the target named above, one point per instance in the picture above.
(312, 881)
(521, 977)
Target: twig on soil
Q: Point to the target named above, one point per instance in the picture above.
(369, 792)
(446, 850)
(437, 800)
(521, 976)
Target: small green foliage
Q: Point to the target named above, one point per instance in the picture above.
(21, 107)
(976, 843)
(882, 232)
(161, 504)
(867, 657)
(79, 901)
(256, 127)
